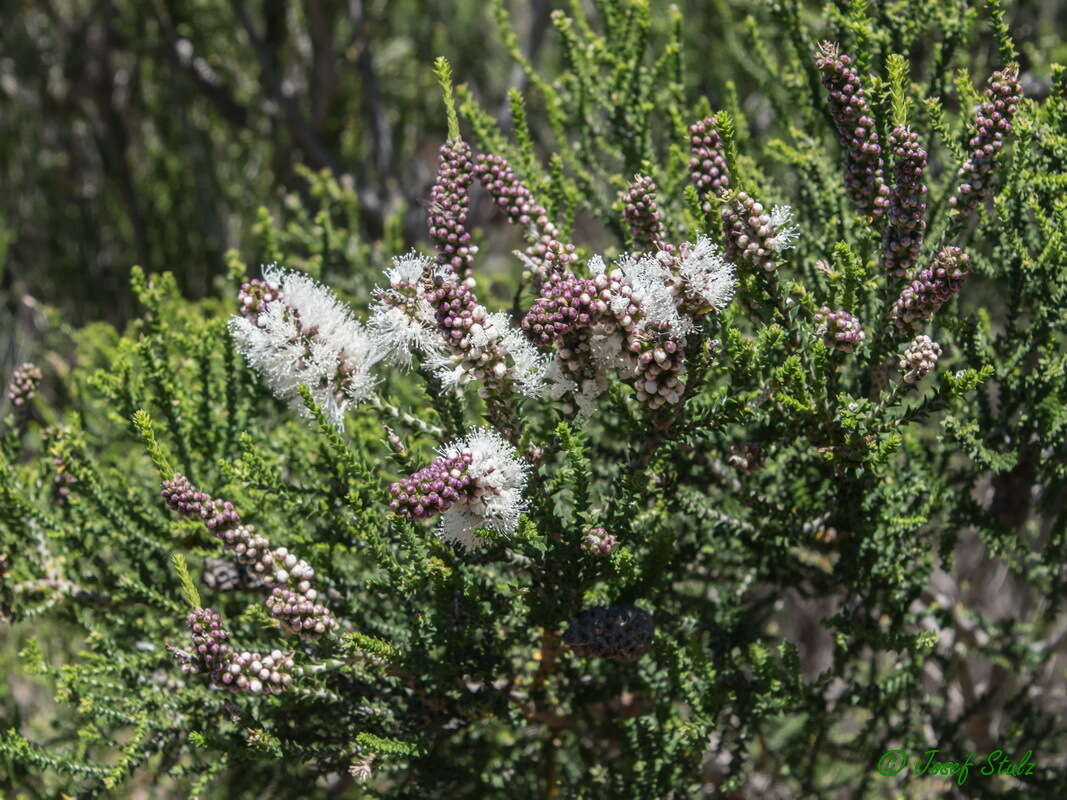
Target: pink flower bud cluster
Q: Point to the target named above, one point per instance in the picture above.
(919, 358)
(547, 251)
(209, 641)
(707, 166)
(229, 669)
(992, 123)
(258, 674)
(598, 542)
(24, 382)
(654, 352)
(428, 308)
(854, 118)
(615, 295)
(476, 482)
(840, 330)
(293, 603)
(254, 295)
(642, 215)
(482, 346)
(450, 207)
(567, 303)
(434, 488)
(293, 600)
(456, 308)
(931, 289)
(661, 367)
(182, 497)
(754, 235)
(606, 324)
(570, 313)
(907, 203)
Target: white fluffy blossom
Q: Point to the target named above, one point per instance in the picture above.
(408, 268)
(492, 350)
(528, 365)
(447, 368)
(498, 477)
(402, 318)
(784, 233)
(649, 283)
(401, 331)
(608, 349)
(706, 274)
(561, 386)
(309, 337)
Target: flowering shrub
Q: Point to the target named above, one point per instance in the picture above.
(711, 509)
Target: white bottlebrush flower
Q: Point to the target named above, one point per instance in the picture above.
(490, 350)
(784, 233)
(485, 331)
(447, 368)
(650, 283)
(493, 351)
(402, 318)
(498, 478)
(408, 269)
(459, 525)
(706, 274)
(451, 368)
(402, 329)
(528, 365)
(309, 338)
(576, 397)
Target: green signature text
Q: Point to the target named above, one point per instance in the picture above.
(932, 763)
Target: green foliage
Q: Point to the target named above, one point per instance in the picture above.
(189, 590)
(151, 134)
(443, 72)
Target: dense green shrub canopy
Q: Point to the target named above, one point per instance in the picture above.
(691, 431)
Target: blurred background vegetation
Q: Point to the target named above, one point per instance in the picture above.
(150, 131)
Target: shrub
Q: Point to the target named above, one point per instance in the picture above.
(756, 473)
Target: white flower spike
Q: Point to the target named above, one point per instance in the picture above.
(307, 336)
